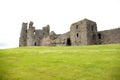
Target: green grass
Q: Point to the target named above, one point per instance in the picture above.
(97, 62)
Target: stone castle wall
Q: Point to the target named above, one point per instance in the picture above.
(109, 36)
(83, 32)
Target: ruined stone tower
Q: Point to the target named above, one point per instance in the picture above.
(30, 35)
(83, 32)
(23, 35)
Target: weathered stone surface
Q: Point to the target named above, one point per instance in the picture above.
(23, 35)
(83, 32)
(46, 30)
(109, 36)
(38, 37)
(30, 24)
(46, 41)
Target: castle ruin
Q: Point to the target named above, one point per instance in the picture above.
(83, 32)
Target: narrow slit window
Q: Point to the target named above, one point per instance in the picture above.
(77, 35)
(92, 28)
(76, 26)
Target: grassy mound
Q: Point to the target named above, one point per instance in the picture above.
(97, 62)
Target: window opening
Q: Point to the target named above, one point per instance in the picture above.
(77, 35)
(99, 36)
(35, 43)
(92, 28)
(76, 26)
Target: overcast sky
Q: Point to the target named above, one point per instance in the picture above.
(59, 14)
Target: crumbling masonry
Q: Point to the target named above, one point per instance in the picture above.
(83, 32)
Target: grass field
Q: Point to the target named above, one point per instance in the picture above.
(97, 62)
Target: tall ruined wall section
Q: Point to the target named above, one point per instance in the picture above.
(38, 37)
(109, 36)
(46, 30)
(23, 35)
(30, 35)
(45, 40)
